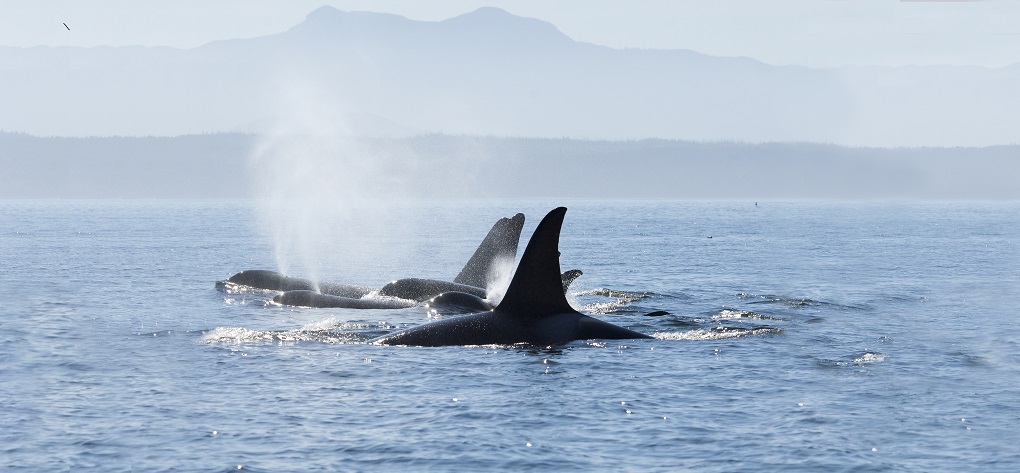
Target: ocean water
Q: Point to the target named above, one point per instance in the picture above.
(801, 336)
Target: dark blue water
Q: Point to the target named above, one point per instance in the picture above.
(801, 336)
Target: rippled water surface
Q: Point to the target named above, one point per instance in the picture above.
(800, 336)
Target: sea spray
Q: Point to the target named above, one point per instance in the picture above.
(498, 279)
(324, 195)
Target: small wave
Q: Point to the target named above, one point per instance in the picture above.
(228, 287)
(864, 358)
(772, 299)
(334, 323)
(869, 357)
(793, 301)
(606, 292)
(239, 300)
(622, 299)
(718, 333)
(603, 307)
(327, 331)
(167, 333)
(727, 314)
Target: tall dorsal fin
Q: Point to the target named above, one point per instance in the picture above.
(499, 244)
(536, 289)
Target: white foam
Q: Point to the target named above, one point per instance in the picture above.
(715, 334)
(741, 314)
(603, 307)
(870, 358)
(328, 331)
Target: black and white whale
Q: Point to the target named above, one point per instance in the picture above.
(533, 310)
(309, 298)
(420, 290)
(275, 281)
(455, 302)
(446, 303)
(500, 244)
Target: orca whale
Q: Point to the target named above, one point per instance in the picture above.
(455, 302)
(498, 245)
(308, 298)
(421, 290)
(533, 310)
(274, 281)
(450, 302)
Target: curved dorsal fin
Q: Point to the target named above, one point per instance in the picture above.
(568, 278)
(536, 289)
(499, 244)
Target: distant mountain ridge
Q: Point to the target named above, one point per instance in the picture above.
(489, 72)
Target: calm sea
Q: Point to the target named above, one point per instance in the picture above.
(802, 336)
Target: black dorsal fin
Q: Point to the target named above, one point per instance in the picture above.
(536, 289)
(499, 244)
(568, 278)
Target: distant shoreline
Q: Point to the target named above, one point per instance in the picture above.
(436, 166)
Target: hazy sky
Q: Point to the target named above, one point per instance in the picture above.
(807, 32)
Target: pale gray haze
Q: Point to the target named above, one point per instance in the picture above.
(816, 33)
(662, 99)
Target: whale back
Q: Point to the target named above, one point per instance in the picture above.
(500, 244)
(536, 289)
